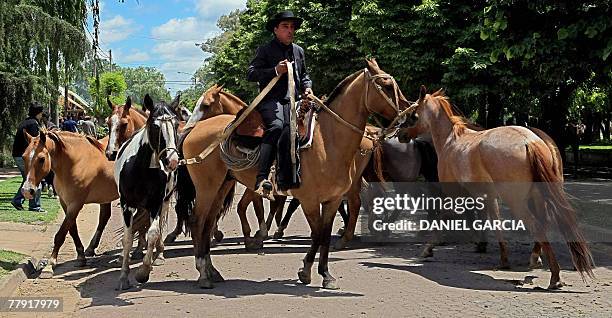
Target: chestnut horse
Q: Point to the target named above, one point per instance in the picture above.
(122, 123)
(332, 155)
(506, 154)
(82, 175)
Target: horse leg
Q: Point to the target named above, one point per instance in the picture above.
(258, 206)
(74, 233)
(208, 205)
(153, 235)
(555, 279)
(354, 204)
(58, 241)
(345, 217)
(138, 253)
(276, 211)
(329, 212)
(313, 216)
(535, 261)
(128, 236)
(503, 245)
(178, 230)
(105, 214)
(293, 205)
(249, 243)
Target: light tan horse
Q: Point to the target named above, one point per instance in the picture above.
(510, 154)
(331, 155)
(82, 175)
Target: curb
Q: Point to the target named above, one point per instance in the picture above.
(27, 269)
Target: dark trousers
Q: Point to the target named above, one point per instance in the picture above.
(276, 117)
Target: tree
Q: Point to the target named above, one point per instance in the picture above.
(144, 80)
(112, 84)
(39, 40)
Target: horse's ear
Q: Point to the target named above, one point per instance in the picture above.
(27, 136)
(128, 103)
(373, 66)
(110, 105)
(176, 102)
(422, 93)
(43, 138)
(148, 103)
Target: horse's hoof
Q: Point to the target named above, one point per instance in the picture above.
(142, 275)
(218, 236)
(159, 261)
(253, 244)
(205, 283)
(536, 265)
(124, 283)
(304, 276)
(481, 247)
(278, 234)
(341, 231)
(90, 252)
(46, 273)
(330, 284)
(170, 238)
(555, 285)
(261, 235)
(216, 277)
(340, 244)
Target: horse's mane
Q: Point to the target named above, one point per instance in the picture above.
(64, 138)
(338, 89)
(458, 120)
(233, 97)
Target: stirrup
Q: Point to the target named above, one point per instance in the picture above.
(265, 189)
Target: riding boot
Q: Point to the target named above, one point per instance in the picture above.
(263, 186)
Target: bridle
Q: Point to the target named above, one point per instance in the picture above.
(165, 118)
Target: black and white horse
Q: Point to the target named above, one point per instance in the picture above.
(145, 173)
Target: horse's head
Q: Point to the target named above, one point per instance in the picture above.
(382, 94)
(182, 113)
(37, 162)
(161, 131)
(122, 123)
(430, 108)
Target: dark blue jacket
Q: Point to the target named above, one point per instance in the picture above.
(20, 143)
(262, 70)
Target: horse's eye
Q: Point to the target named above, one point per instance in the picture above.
(41, 160)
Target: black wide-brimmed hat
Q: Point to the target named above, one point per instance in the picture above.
(35, 109)
(283, 16)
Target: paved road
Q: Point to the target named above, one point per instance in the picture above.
(374, 280)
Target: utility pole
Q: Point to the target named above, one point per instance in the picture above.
(95, 5)
(110, 59)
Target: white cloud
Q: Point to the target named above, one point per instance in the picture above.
(134, 56)
(117, 29)
(214, 8)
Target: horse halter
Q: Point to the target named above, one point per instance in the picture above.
(163, 119)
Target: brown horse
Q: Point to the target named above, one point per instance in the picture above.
(122, 123)
(82, 175)
(331, 155)
(506, 154)
(215, 101)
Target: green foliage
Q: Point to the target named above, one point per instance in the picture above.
(9, 261)
(144, 80)
(37, 39)
(113, 85)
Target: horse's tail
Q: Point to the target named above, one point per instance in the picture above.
(560, 209)
(229, 199)
(185, 197)
(377, 152)
(557, 162)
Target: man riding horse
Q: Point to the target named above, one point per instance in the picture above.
(271, 60)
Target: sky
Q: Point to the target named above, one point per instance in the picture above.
(160, 33)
